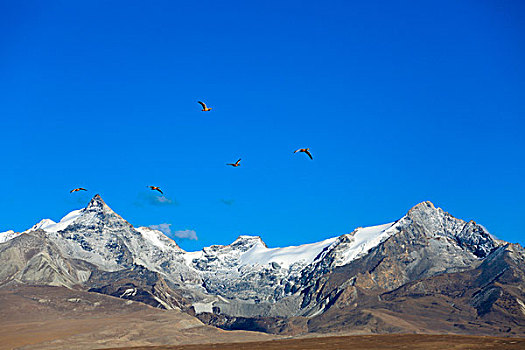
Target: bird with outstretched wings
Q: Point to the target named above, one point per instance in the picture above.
(77, 189)
(204, 107)
(305, 150)
(236, 164)
(155, 188)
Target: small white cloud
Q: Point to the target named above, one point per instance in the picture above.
(164, 228)
(164, 200)
(183, 234)
(187, 234)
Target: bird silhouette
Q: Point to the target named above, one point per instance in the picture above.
(305, 150)
(77, 189)
(236, 164)
(204, 108)
(155, 188)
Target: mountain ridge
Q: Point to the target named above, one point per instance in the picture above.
(246, 283)
(97, 204)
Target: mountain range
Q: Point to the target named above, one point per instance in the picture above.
(427, 272)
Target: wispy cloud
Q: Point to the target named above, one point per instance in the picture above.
(164, 228)
(187, 234)
(163, 200)
(227, 201)
(156, 200)
(183, 234)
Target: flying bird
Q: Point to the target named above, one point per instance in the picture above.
(236, 164)
(204, 108)
(305, 150)
(155, 188)
(77, 189)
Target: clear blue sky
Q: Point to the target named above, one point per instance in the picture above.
(399, 103)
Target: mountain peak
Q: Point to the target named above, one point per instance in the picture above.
(468, 235)
(96, 202)
(42, 224)
(425, 211)
(245, 240)
(423, 206)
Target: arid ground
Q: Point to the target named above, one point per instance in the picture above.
(59, 318)
(366, 342)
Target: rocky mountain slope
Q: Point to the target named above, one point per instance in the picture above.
(360, 280)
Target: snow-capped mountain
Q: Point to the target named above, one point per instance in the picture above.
(359, 279)
(245, 270)
(246, 278)
(98, 235)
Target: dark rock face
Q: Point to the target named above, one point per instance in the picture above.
(139, 284)
(477, 239)
(274, 325)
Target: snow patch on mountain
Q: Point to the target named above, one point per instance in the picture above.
(50, 226)
(362, 240)
(42, 225)
(156, 237)
(259, 254)
(203, 307)
(190, 256)
(8, 235)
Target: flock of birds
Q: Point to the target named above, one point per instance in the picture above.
(236, 164)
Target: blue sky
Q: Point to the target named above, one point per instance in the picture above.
(399, 103)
